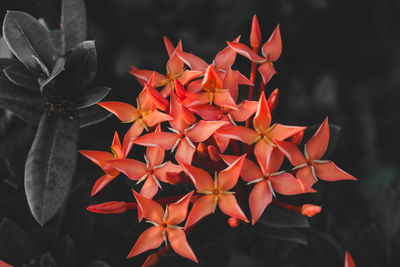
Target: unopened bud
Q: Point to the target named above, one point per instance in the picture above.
(213, 152)
(233, 222)
(151, 260)
(297, 138)
(273, 99)
(202, 150)
(310, 210)
(112, 207)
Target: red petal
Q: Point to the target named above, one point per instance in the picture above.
(179, 89)
(101, 183)
(116, 146)
(348, 260)
(97, 157)
(262, 119)
(255, 35)
(189, 75)
(292, 152)
(207, 112)
(130, 167)
(162, 139)
(151, 210)
(246, 109)
(179, 244)
(194, 62)
(306, 177)
(192, 100)
(241, 79)
(224, 99)
(273, 99)
(144, 76)
(149, 188)
(211, 79)
(229, 206)
(201, 208)
(124, 111)
(149, 239)
(3, 264)
(317, 145)
(275, 161)
(259, 199)
(168, 46)
(246, 52)
(221, 140)
(204, 129)
(267, 71)
(177, 211)
(169, 168)
(155, 155)
(185, 152)
(201, 179)
(155, 117)
(158, 99)
(240, 133)
(195, 87)
(226, 57)
(175, 64)
(250, 170)
(263, 152)
(229, 82)
(272, 49)
(228, 177)
(286, 184)
(133, 132)
(281, 132)
(331, 172)
(182, 116)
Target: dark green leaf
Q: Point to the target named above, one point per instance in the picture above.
(90, 97)
(10, 91)
(66, 252)
(16, 247)
(285, 234)
(28, 114)
(28, 39)
(73, 22)
(279, 217)
(47, 260)
(81, 65)
(92, 115)
(19, 75)
(50, 166)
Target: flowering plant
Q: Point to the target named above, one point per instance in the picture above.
(196, 111)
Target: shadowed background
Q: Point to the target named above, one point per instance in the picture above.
(340, 59)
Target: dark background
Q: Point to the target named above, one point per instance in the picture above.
(340, 59)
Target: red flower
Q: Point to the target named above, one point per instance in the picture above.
(165, 226)
(215, 192)
(309, 166)
(348, 260)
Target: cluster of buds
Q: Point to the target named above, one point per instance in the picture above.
(195, 113)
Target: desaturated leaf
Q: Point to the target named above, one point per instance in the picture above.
(57, 37)
(90, 97)
(5, 62)
(66, 253)
(50, 166)
(92, 115)
(97, 264)
(279, 217)
(16, 246)
(51, 87)
(286, 234)
(28, 39)
(28, 114)
(19, 75)
(10, 91)
(73, 22)
(47, 260)
(5, 52)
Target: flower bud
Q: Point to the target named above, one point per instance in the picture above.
(273, 99)
(151, 260)
(213, 152)
(310, 210)
(112, 207)
(233, 222)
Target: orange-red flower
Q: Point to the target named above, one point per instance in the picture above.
(348, 260)
(100, 158)
(216, 193)
(266, 182)
(165, 226)
(264, 135)
(309, 166)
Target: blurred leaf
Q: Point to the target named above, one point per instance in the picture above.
(97, 264)
(92, 115)
(5, 52)
(20, 76)
(66, 252)
(279, 217)
(10, 91)
(334, 133)
(368, 248)
(16, 247)
(27, 39)
(47, 260)
(286, 234)
(28, 114)
(5, 62)
(57, 37)
(50, 166)
(90, 97)
(73, 22)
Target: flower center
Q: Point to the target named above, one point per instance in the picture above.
(216, 192)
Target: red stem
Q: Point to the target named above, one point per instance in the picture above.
(261, 88)
(286, 206)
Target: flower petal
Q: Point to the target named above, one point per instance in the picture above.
(226, 57)
(306, 177)
(151, 210)
(195, 87)
(163, 140)
(134, 131)
(272, 49)
(125, 112)
(200, 98)
(224, 99)
(241, 79)
(177, 211)
(157, 98)
(189, 75)
(240, 133)
(275, 161)
(262, 119)
(286, 184)
(201, 208)
(292, 152)
(149, 188)
(259, 199)
(263, 152)
(228, 177)
(200, 178)
(97, 157)
(229, 82)
(280, 132)
(246, 109)
(116, 146)
(348, 260)
(168, 46)
(168, 168)
(246, 52)
(207, 112)
(273, 99)
(194, 62)
(185, 151)
(317, 145)
(143, 76)
(101, 183)
(204, 129)
(155, 117)
(331, 172)
(267, 71)
(255, 34)
(229, 206)
(130, 167)
(149, 239)
(155, 155)
(179, 244)
(175, 64)
(250, 171)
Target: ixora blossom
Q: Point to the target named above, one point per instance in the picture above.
(226, 149)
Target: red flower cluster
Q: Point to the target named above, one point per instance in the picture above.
(196, 115)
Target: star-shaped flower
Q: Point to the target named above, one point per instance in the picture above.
(216, 193)
(165, 226)
(309, 166)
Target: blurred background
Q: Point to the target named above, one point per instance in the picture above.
(340, 59)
